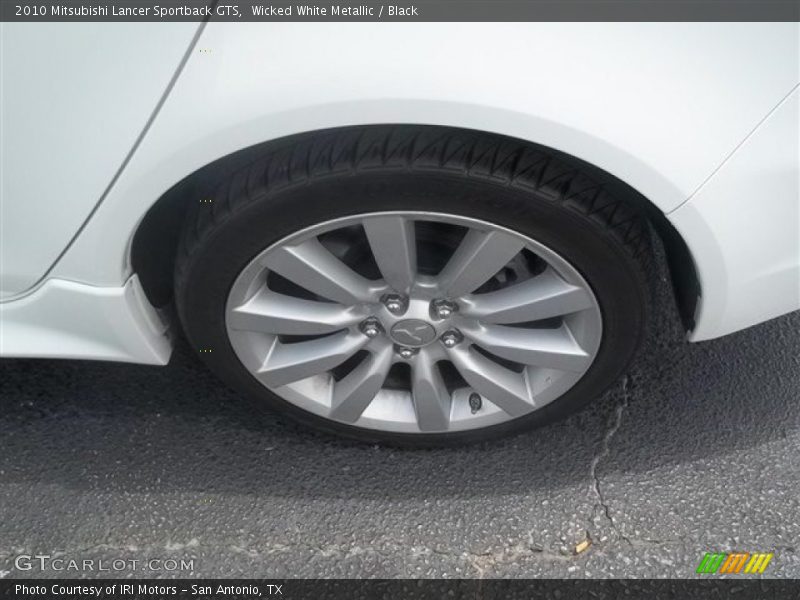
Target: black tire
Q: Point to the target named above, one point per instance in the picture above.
(569, 206)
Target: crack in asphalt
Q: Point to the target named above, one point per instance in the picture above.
(605, 449)
(482, 561)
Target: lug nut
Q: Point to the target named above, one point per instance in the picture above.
(406, 352)
(451, 338)
(371, 328)
(395, 303)
(443, 309)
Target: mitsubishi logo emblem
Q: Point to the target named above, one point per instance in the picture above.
(413, 332)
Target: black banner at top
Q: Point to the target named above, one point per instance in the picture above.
(420, 11)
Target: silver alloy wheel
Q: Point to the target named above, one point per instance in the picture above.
(495, 326)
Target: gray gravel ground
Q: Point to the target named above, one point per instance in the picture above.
(700, 452)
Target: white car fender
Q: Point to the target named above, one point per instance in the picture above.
(631, 98)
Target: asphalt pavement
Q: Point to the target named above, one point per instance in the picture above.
(698, 452)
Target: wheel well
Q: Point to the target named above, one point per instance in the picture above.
(156, 239)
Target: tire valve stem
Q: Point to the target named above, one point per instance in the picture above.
(475, 402)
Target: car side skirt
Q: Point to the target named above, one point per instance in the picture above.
(66, 319)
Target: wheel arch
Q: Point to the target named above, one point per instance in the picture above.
(154, 244)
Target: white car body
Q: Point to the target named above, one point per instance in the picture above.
(100, 120)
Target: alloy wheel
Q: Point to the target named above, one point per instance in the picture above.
(413, 322)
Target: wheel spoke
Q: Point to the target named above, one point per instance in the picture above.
(269, 312)
(352, 395)
(431, 399)
(311, 266)
(551, 348)
(286, 363)
(500, 386)
(542, 297)
(479, 256)
(394, 247)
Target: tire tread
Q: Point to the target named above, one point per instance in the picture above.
(416, 148)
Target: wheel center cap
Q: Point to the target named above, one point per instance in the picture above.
(413, 332)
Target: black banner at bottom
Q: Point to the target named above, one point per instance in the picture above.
(400, 589)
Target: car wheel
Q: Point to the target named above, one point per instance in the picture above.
(415, 285)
